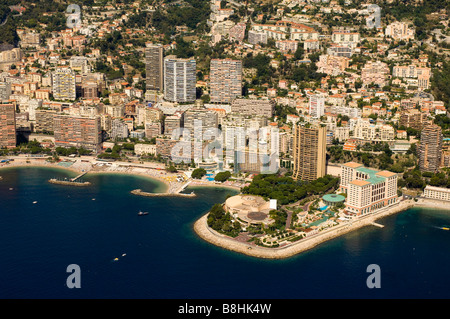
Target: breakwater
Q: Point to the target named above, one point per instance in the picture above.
(68, 182)
(139, 192)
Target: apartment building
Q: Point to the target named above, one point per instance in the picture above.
(316, 105)
(119, 129)
(346, 38)
(344, 51)
(421, 75)
(143, 149)
(375, 72)
(179, 79)
(413, 118)
(369, 132)
(332, 65)
(154, 67)
(63, 84)
(5, 90)
(173, 122)
(44, 120)
(430, 148)
(439, 193)
(286, 46)
(200, 121)
(309, 152)
(7, 126)
(253, 107)
(287, 30)
(399, 31)
(225, 80)
(257, 37)
(78, 131)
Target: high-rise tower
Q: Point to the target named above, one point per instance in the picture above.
(154, 67)
(309, 152)
(430, 148)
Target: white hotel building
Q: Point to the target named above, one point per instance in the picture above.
(367, 189)
(433, 192)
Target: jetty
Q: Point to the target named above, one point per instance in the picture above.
(377, 225)
(69, 182)
(139, 192)
(78, 177)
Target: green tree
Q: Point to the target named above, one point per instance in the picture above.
(198, 173)
(222, 176)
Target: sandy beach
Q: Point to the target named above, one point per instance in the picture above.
(153, 171)
(213, 237)
(81, 165)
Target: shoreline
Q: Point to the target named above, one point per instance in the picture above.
(44, 164)
(211, 236)
(167, 187)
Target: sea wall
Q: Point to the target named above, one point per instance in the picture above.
(69, 183)
(141, 193)
(213, 237)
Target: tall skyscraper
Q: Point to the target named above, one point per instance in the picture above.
(316, 105)
(63, 84)
(154, 67)
(309, 152)
(430, 148)
(226, 80)
(179, 79)
(7, 126)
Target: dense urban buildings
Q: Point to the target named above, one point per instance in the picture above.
(309, 152)
(226, 80)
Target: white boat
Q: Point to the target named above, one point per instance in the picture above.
(34, 202)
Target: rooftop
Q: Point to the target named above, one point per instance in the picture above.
(333, 198)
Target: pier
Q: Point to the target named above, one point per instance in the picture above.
(182, 188)
(78, 177)
(377, 225)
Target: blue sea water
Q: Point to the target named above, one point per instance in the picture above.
(166, 260)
